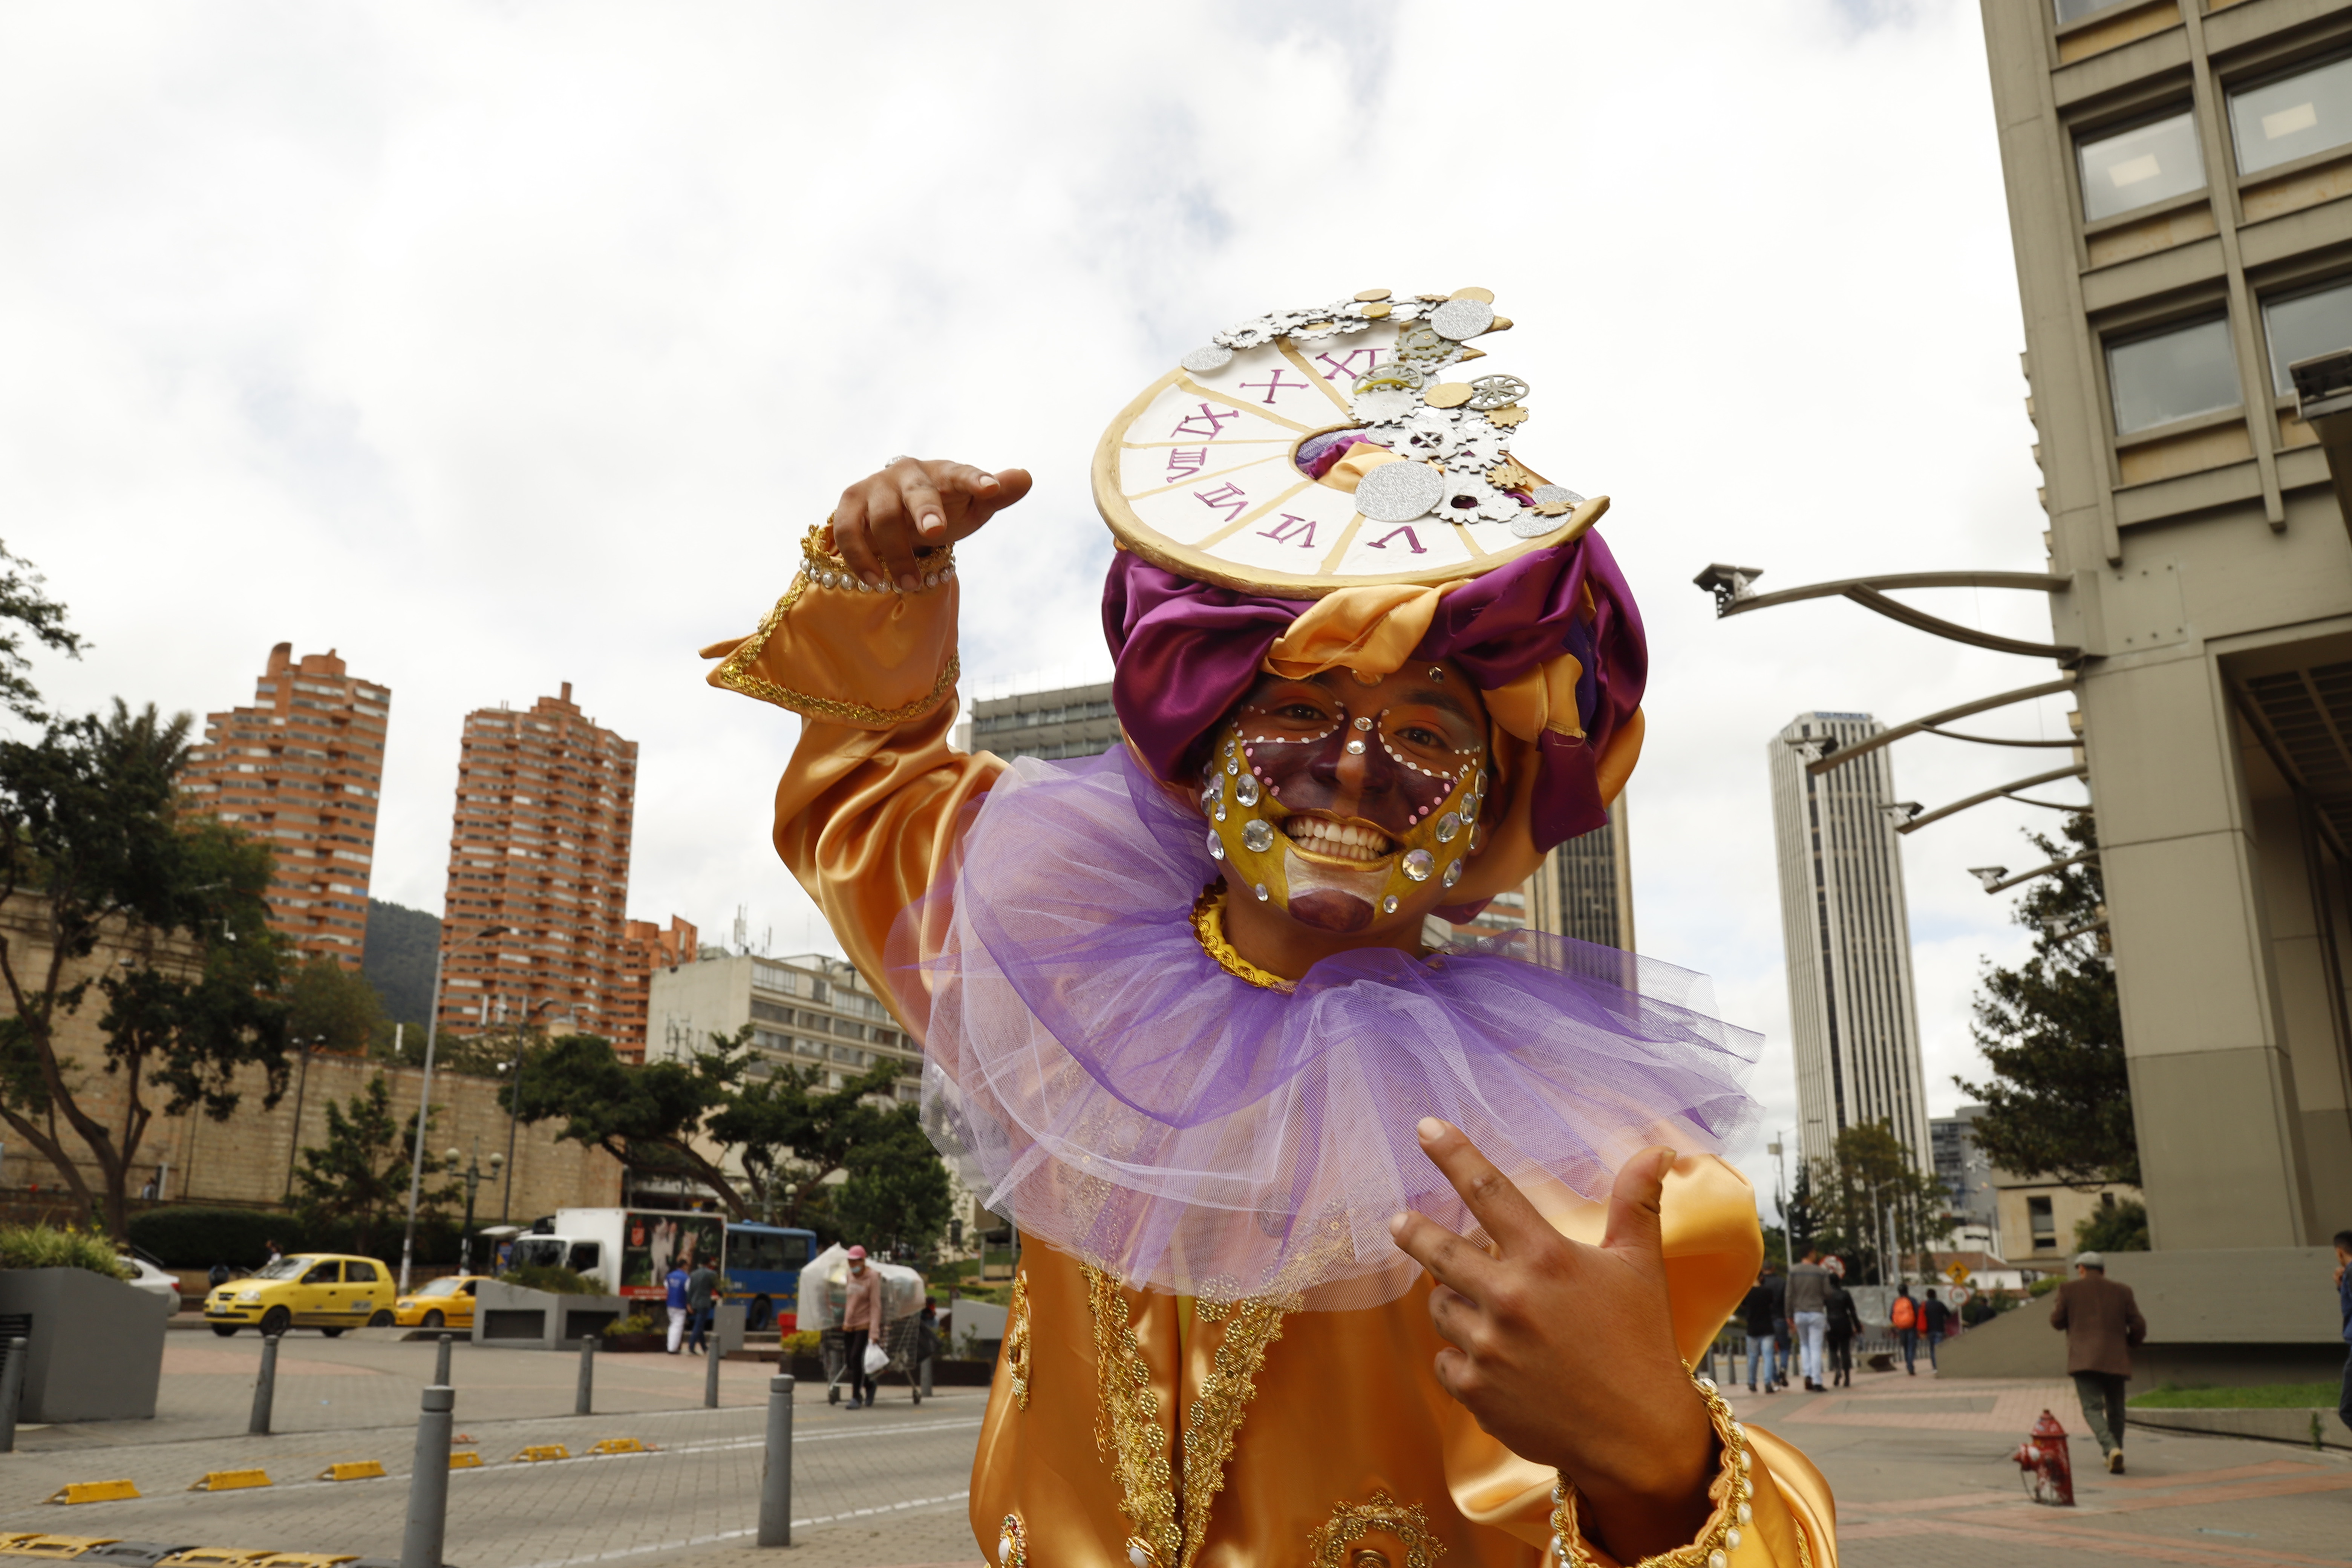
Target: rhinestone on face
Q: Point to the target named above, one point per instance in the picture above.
(1220, 812)
(1355, 748)
(1364, 723)
(1232, 765)
(1245, 789)
(1262, 894)
(1389, 905)
(1447, 826)
(1418, 864)
(1216, 847)
(1452, 873)
(1257, 836)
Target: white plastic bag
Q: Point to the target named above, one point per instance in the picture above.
(877, 1361)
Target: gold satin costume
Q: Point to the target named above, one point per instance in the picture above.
(1128, 1425)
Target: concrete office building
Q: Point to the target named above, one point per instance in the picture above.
(2180, 180)
(808, 1012)
(1067, 721)
(1969, 1176)
(540, 846)
(1853, 1014)
(1584, 888)
(301, 768)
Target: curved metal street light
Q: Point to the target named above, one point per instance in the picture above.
(424, 1100)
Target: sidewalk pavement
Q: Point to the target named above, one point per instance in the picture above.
(1920, 1469)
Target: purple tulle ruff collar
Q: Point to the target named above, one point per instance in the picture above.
(1100, 1078)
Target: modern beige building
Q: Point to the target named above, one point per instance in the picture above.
(1584, 888)
(805, 1012)
(2179, 179)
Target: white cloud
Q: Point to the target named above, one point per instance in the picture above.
(502, 345)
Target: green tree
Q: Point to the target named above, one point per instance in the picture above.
(27, 613)
(649, 1116)
(794, 1135)
(329, 1008)
(2114, 1227)
(898, 1192)
(2059, 1101)
(361, 1177)
(1867, 1187)
(91, 851)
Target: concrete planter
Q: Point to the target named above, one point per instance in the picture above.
(97, 1344)
(510, 1317)
(2295, 1426)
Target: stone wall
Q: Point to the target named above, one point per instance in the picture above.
(247, 1160)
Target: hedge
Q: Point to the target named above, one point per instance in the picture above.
(187, 1236)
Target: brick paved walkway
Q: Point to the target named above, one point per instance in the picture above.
(1920, 1469)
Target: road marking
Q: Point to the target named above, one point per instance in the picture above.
(738, 1534)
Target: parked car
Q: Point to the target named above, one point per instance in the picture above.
(326, 1291)
(156, 1281)
(442, 1304)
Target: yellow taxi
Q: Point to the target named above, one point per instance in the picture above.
(442, 1304)
(323, 1290)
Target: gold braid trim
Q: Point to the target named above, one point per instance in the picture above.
(1224, 1397)
(1732, 1491)
(1209, 927)
(735, 670)
(1017, 1340)
(1127, 1423)
(1351, 1523)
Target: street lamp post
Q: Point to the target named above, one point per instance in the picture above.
(425, 1098)
(514, 1096)
(473, 1177)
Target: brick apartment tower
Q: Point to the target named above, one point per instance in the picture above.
(538, 845)
(301, 768)
(645, 947)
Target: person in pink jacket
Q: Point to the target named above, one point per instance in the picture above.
(861, 1321)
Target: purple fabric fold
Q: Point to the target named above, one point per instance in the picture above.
(1099, 1078)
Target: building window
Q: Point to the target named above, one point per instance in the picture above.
(2302, 325)
(2174, 374)
(2133, 168)
(2076, 10)
(2283, 120)
(2043, 1224)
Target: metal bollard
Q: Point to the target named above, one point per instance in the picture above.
(265, 1389)
(441, 1361)
(710, 1375)
(580, 1406)
(776, 1467)
(926, 1376)
(428, 1482)
(12, 1393)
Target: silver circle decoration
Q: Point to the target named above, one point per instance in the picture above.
(1206, 358)
(1533, 524)
(1462, 318)
(1448, 826)
(1418, 864)
(1245, 789)
(1496, 391)
(1453, 872)
(1556, 494)
(1399, 492)
(1257, 836)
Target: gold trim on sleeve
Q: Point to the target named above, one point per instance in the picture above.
(1351, 1523)
(1127, 1427)
(1732, 1491)
(735, 674)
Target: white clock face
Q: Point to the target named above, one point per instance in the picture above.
(1200, 475)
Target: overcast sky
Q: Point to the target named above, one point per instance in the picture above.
(505, 345)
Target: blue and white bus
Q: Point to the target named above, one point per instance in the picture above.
(764, 1271)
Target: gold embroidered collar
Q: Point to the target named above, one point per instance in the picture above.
(1209, 926)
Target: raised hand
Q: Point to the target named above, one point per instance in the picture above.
(884, 517)
(1564, 1352)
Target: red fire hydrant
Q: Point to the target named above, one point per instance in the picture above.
(2049, 1476)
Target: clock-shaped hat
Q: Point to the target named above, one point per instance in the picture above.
(1356, 444)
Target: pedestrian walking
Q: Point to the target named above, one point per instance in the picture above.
(861, 1322)
(701, 1305)
(1809, 1311)
(1902, 1315)
(1845, 1327)
(1936, 1317)
(2102, 1323)
(676, 1284)
(1759, 1312)
(270, 1248)
(2344, 1305)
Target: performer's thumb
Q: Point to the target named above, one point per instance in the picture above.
(1633, 1226)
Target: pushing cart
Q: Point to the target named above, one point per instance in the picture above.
(824, 1294)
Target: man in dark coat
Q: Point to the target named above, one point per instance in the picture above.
(2102, 1323)
(1761, 1311)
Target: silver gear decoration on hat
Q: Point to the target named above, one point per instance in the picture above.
(1478, 446)
(1467, 497)
(1496, 391)
(1249, 335)
(1556, 494)
(1396, 373)
(1463, 318)
(1425, 433)
(1384, 405)
(1399, 492)
(1208, 357)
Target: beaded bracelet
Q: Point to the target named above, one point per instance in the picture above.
(1731, 1491)
(827, 570)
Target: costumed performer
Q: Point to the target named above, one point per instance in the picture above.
(1343, 1247)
